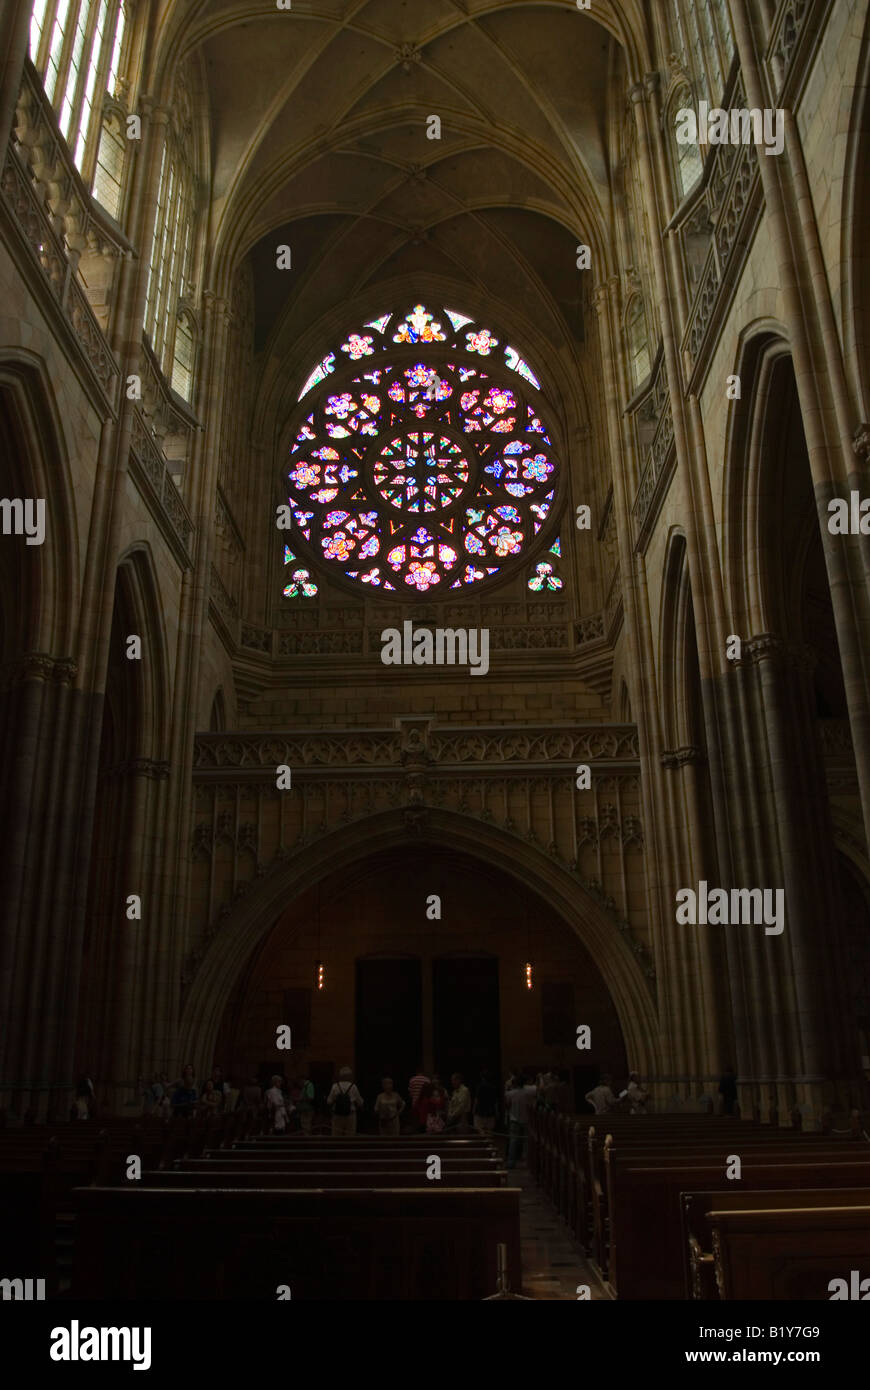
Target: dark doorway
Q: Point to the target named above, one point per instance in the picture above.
(465, 1016)
(389, 1024)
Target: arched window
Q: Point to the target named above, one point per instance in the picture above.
(171, 245)
(424, 463)
(690, 163)
(637, 339)
(703, 40)
(76, 46)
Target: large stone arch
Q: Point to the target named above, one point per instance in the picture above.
(763, 351)
(255, 913)
(36, 464)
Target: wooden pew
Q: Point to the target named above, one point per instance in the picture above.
(789, 1252)
(697, 1230)
(172, 1243)
(347, 1177)
(645, 1257)
(228, 1163)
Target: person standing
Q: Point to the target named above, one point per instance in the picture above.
(388, 1107)
(415, 1087)
(601, 1097)
(84, 1098)
(520, 1099)
(344, 1100)
(433, 1106)
(185, 1094)
(305, 1103)
(211, 1100)
(278, 1106)
(459, 1107)
(483, 1111)
(637, 1096)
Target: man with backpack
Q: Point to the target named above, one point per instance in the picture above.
(344, 1100)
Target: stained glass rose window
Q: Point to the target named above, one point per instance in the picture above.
(423, 464)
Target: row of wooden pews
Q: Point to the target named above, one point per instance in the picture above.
(42, 1165)
(315, 1218)
(650, 1200)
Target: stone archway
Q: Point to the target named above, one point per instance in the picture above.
(255, 913)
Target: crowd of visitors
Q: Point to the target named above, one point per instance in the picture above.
(427, 1106)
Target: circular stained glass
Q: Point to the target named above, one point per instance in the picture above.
(423, 464)
(422, 471)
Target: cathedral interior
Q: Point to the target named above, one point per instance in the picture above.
(345, 327)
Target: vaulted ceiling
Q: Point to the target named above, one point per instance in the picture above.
(319, 141)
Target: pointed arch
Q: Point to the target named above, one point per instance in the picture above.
(255, 913)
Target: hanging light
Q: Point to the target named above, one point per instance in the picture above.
(319, 967)
(529, 966)
(529, 970)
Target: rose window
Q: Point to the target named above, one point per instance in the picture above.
(423, 462)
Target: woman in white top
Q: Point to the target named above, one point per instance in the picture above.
(277, 1105)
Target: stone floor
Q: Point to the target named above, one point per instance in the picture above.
(552, 1263)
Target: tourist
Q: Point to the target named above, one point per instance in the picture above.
(344, 1100)
(636, 1095)
(485, 1098)
(415, 1087)
(305, 1103)
(601, 1097)
(519, 1100)
(459, 1107)
(221, 1086)
(388, 1107)
(433, 1106)
(211, 1100)
(185, 1094)
(278, 1106)
(84, 1098)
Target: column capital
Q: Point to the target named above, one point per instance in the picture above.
(156, 115)
(605, 290)
(861, 442)
(689, 756)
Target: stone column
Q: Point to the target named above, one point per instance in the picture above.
(172, 945)
(14, 43)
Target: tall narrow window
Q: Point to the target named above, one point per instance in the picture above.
(638, 341)
(109, 173)
(182, 363)
(689, 161)
(168, 328)
(37, 24)
(76, 47)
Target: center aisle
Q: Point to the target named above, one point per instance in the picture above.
(552, 1264)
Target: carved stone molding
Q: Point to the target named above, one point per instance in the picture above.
(39, 666)
(689, 756)
(551, 750)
